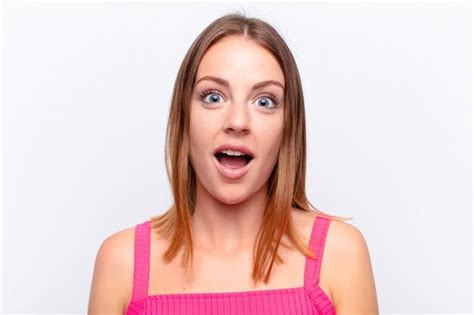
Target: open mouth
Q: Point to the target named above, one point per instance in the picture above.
(233, 161)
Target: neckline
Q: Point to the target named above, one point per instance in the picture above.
(247, 293)
(309, 283)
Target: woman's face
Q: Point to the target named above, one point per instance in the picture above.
(236, 113)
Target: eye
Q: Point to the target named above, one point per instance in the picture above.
(267, 97)
(214, 96)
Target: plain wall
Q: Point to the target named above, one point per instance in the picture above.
(86, 93)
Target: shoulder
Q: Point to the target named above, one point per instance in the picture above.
(344, 240)
(349, 273)
(115, 256)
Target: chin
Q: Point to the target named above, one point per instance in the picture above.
(231, 197)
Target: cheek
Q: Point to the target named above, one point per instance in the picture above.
(269, 144)
(271, 133)
(276, 142)
(199, 130)
(198, 118)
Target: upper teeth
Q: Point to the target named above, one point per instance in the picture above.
(231, 152)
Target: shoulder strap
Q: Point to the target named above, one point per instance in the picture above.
(141, 261)
(316, 245)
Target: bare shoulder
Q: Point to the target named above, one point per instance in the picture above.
(112, 279)
(345, 239)
(348, 269)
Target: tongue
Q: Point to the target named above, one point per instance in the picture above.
(233, 162)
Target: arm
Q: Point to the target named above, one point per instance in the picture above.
(351, 277)
(113, 273)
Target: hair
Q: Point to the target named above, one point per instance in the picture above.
(287, 179)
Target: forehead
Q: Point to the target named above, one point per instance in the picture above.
(239, 60)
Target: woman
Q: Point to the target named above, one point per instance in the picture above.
(236, 160)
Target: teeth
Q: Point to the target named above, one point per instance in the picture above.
(231, 152)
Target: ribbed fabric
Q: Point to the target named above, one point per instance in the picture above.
(305, 300)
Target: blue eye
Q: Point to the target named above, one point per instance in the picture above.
(215, 96)
(270, 97)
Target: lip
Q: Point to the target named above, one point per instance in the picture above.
(232, 173)
(235, 147)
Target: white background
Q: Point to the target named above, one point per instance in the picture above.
(86, 93)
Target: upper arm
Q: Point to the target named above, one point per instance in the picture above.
(113, 274)
(351, 278)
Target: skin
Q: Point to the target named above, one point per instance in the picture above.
(228, 212)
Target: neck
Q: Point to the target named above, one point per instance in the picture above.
(226, 227)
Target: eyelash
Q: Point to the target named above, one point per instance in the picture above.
(268, 95)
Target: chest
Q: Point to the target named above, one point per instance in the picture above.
(220, 273)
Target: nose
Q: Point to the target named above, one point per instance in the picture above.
(237, 119)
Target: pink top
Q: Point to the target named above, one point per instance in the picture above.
(304, 300)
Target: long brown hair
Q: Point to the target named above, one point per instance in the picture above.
(287, 180)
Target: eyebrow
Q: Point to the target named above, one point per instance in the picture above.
(226, 83)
